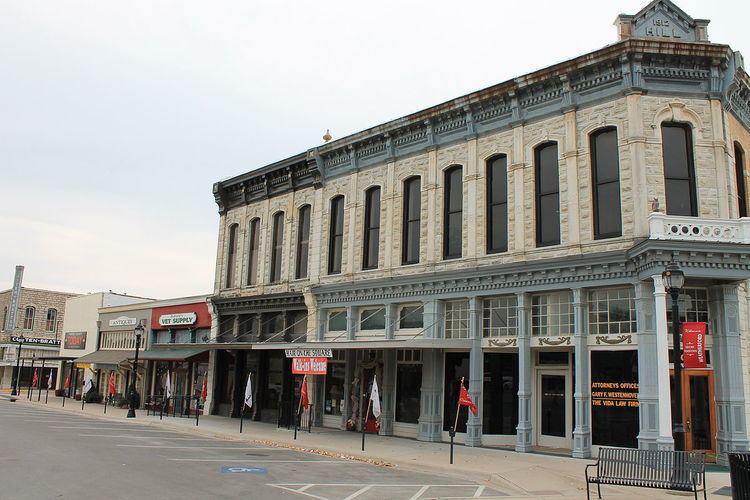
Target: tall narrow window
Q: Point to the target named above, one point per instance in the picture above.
(412, 220)
(453, 218)
(679, 174)
(303, 241)
(4, 326)
(231, 256)
(28, 318)
(547, 195)
(372, 229)
(51, 323)
(605, 172)
(252, 251)
(336, 236)
(277, 246)
(739, 168)
(497, 204)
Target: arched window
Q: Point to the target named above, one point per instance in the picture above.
(497, 204)
(231, 256)
(371, 243)
(277, 246)
(679, 172)
(28, 318)
(605, 175)
(739, 169)
(336, 235)
(253, 245)
(303, 241)
(547, 195)
(51, 323)
(453, 213)
(412, 220)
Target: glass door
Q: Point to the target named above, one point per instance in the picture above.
(553, 409)
(699, 410)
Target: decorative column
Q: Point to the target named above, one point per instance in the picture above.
(349, 356)
(431, 402)
(211, 374)
(476, 372)
(582, 391)
(524, 429)
(322, 320)
(648, 374)
(726, 357)
(391, 318)
(433, 319)
(388, 392)
(351, 323)
(664, 441)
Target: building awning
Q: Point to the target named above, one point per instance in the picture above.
(104, 357)
(368, 344)
(169, 354)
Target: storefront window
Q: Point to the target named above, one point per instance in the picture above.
(612, 310)
(183, 337)
(500, 395)
(275, 383)
(163, 336)
(334, 397)
(411, 317)
(408, 385)
(457, 319)
(552, 314)
(456, 366)
(337, 321)
(372, 319)
(614, 398)
(693, 306)
(500, 316)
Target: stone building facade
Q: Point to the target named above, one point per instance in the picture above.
(40, 315)
(513, 237)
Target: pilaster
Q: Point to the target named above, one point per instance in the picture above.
(322, 320)
(582, 391)
(349, 356)
(648, 387)
(211, 374)
(432, 245)
(570, 157)
(471, 199)
(476, 372)
(388, 393)
(431, 402)
(524, 429)
(637, 145)
(516, 173)
(433, 319)
(351, 323)
(665, 440)
(391, 318)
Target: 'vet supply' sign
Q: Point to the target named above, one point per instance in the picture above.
(309, 366)
(178, 319)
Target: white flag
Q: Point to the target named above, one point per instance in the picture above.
(168, 387)
(87, 386)
(375, 398)
(249, 391)
(49, 381)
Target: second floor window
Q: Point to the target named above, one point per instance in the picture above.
(497, 204)
(552, 313)
(277, 245)
(412, 220)
(453, 213)
(679, 173)
(303, 241)
(336, 236)
(605, 174)
(739, 168)
(28, 318)
(371, 242)
(51, 323)
(231, 256)
(252, 251)
(547, 195)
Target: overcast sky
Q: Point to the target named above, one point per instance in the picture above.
(117, 117)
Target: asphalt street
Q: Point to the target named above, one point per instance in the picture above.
(50, 454)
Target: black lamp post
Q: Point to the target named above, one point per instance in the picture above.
(17, 375)
(674, 279)
(133, 395)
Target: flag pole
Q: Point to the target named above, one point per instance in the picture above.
(242, 415)
(39, 381)
(455, 423)
(299, 407)
(106, 400)
(197, 409)
(364, 423)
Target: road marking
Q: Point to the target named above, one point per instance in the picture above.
(195, 447)
(235, 459)
(359, 492)
(479, 492)
(134, 429)
(146, 437)
(300, 491)
(419, 493)
(243, 470)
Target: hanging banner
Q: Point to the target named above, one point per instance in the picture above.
(694, 345)
(309, 366)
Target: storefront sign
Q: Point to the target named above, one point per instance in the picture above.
(123, 321)
(75, 340)
(178, 319)
(310, 366)
(309, 353)
(28, 340)
(694, 345)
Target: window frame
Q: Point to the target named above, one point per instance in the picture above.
(690, 156)
(539, 194)
(502, 303)
(456, 320)
(493, 202)
(561, 328)
(448, 179)
(371, 231)
(410, 237)
(53, 320)
(277, 247)
(596, 184)
(231, 274)
(302, 261)
(29, 320)
(607, 296)
(739, 173)
(253, 247)
(336, 237)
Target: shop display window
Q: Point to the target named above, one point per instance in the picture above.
(614, 398)
(408, 385)
(334, 388)
(500, 395)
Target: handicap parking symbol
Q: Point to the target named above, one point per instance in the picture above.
(239, 469)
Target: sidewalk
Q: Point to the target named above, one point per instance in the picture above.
(522, 475)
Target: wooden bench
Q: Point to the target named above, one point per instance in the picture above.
(662, 469)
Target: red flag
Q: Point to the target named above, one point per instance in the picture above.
(303, 393)
(112, 386)
(67, 382)
(204, 389)
(465, 400)
(35, 379)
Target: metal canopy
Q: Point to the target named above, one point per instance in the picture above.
(168, 354)
(104, 357)
(368, 344)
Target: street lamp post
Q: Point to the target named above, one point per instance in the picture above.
(17, 376)
(674, 279)
(132, 403)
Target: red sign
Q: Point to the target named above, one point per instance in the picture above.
(694, 345)
(310, 366)
(200, 309)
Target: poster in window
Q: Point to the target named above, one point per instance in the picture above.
(614, 398)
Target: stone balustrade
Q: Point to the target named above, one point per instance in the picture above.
(676, 227)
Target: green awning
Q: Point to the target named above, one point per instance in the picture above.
(169, 353)
(105, 357)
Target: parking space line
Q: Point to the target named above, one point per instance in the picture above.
(83, 428)
(197, 447)
(235, 459)
(147, 437)
(300, 491)
(419, 493)
(359, 492)
(479, 492)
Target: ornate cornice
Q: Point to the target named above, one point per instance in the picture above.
(258, 303)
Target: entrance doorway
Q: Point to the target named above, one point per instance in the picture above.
(698, 410)
(553, 409)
